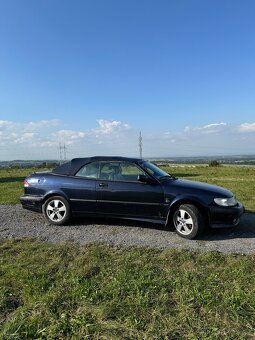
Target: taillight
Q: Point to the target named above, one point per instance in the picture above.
(26, 185)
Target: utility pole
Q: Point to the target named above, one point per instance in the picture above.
(140, 145)
(64, 149)
(62, 153)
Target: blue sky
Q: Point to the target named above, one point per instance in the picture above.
(92, 74)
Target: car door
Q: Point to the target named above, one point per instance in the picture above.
(81, 189)
(119, 193)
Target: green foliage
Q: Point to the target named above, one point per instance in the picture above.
(97, 292)
(214, 163)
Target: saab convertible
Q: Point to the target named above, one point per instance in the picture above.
(129, 188)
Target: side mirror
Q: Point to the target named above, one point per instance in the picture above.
(143, 179)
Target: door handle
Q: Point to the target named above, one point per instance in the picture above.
(103, 185)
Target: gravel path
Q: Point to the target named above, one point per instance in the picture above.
(16, 222)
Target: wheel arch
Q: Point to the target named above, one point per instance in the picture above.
(55, 193)
(187, 200)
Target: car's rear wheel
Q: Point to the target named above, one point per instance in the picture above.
(56, 209)
(188, 221)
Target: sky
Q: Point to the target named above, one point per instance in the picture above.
(92, 74)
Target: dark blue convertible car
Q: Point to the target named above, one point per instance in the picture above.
(129, 188)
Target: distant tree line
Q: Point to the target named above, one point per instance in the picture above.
(14, 165)
(214, 163)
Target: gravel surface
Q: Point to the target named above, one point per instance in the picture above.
(17, 223)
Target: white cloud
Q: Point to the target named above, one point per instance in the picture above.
(49, 144)
(214, 125)
(5, 124)
(109, 127)
(69, 136)
(210, 139)
(210, 128)
(42, 124)
(25, 138)
(168, 137)
(30, 126)
(247, 127)
(41, 140)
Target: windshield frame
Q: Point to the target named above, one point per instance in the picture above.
(154, 171)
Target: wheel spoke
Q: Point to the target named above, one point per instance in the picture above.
(63, 208)
(59, 216)
(56, 202)
(179, 227)
(51, 215)
(189, 221)
(182, 213)
(50, 207)
(187, 230)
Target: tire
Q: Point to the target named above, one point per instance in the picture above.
(57, 211)
(188, 221)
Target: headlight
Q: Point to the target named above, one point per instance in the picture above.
(226, 202)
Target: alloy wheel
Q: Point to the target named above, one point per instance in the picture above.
(183, 222)
(56, 210)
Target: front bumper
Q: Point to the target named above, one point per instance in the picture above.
(32, 202)
(222, 217)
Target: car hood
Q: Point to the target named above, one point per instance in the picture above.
(195, 187)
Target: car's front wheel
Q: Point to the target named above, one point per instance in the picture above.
(56, 209)
(188, 221)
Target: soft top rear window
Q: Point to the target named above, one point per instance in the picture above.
(63, 169)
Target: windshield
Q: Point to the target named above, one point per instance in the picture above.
(155, 171)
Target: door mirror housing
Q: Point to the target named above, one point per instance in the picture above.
(144, 179)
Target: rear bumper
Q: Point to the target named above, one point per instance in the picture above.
(222, 217)
(31, 202)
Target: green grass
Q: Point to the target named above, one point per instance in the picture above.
(239, 179)
(11, 184)
(97, 292)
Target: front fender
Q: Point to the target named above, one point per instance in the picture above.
(186, 199)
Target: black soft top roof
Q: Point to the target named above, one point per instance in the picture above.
(70, 168)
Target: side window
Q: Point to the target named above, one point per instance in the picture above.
(130, 171)
(106, 170)
(89, 170)
(119, 171)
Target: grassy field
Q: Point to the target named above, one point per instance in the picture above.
(97, 292)
(239, 179)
